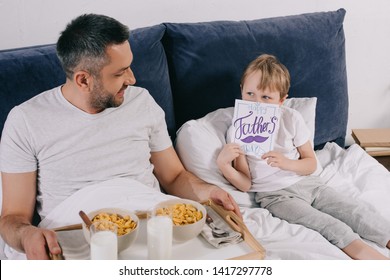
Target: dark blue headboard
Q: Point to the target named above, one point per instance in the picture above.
(206, 61)
(192, 69)
(28, 71)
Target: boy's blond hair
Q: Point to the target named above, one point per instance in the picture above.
(274, 75)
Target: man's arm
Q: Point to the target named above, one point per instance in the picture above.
(179, 182)
(19, 196)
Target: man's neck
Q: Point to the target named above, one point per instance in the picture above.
(76, 98)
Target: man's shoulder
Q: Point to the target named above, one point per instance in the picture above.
(38, 103)
(135, 90)
(138, 94)
(41, 99)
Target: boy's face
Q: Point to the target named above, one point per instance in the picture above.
(251, 92)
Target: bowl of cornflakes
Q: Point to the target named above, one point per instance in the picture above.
(127, 223)
(188, 217)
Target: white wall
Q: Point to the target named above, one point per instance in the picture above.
(367, 30)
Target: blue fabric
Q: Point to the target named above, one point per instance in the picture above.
(151, 69)
(26, 72)
(206, 61)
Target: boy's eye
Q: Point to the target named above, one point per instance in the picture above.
(266, 97)
(250, 93)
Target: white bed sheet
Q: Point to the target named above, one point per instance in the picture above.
(351, 171)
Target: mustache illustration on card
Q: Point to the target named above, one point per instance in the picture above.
(256, 138)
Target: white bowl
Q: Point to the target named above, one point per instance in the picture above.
(186, 232)
(124, 241)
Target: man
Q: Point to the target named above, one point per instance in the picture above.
(94, 128)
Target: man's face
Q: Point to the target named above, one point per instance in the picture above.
(108, 89)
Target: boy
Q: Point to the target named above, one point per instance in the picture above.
(282, 178)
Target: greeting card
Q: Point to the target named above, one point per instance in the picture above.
(254, 126)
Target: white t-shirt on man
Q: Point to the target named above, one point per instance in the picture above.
(72, 149)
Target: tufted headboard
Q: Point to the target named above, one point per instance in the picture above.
(192, 69)
(206, 61)
(28, 71)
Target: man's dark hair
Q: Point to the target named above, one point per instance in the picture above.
(84, 41)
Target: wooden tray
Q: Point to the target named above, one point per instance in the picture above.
(238, 225)
(199, 248)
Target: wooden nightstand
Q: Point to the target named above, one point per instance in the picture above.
(376, 142)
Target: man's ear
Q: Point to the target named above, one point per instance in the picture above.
(83, 80)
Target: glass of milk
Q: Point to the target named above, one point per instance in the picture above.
(104, 240)
(159, 234)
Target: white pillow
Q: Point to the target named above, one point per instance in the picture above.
(307, 107)
(199, 142)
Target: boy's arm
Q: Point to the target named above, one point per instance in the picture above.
(305, 165)
(239, 175)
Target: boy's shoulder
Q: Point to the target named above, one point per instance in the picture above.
(288, 111)
(290, 115)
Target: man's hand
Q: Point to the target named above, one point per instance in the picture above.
(221, 197)
(38, 243)
(179, 182)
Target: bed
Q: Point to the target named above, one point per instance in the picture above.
(349, 170)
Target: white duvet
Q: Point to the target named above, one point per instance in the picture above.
(351, 171)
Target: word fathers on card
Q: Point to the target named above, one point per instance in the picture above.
(255, 126)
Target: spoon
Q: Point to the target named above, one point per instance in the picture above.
(217, 232)
(85, 219)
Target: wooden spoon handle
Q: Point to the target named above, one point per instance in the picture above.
(69, 227)
(85, 218)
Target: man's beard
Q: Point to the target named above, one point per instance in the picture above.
(101, 99)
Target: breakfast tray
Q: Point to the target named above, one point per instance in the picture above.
(238, 225)
(198, 248)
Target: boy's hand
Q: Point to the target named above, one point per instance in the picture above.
(228, 153)
(276, 159)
